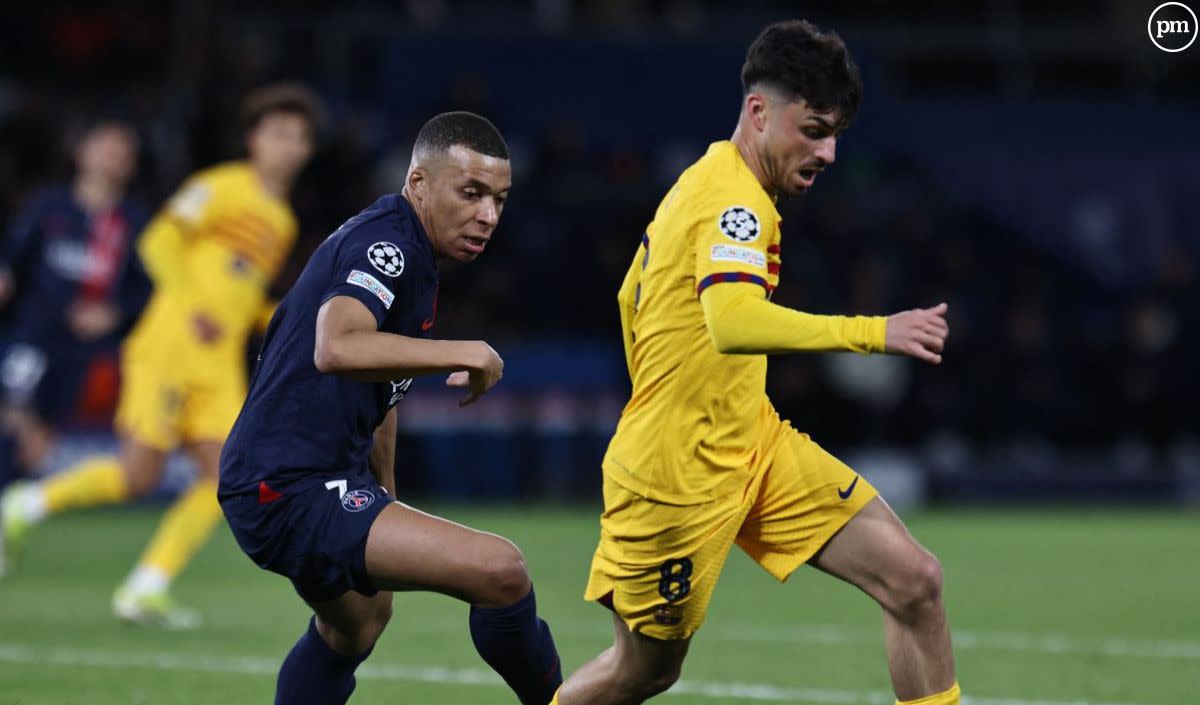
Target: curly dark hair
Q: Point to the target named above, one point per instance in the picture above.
(799, 60)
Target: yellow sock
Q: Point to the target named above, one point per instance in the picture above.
(183, 530)
(948, 697)
(88, 483)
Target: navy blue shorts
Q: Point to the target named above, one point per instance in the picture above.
(313, 533)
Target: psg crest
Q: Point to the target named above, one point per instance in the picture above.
(387, 258)
(357, 500)
(739, 224)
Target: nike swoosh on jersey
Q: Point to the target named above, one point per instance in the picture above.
(845, 494)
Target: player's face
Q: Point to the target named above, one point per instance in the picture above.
(461, 195)
(797, 144)
(281, 144)
(108, 152)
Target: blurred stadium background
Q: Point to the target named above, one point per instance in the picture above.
(1034, 164)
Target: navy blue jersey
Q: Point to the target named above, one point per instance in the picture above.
(61, 254)
(299, 425)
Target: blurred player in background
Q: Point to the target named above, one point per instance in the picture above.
(212, 254)
(308, 475)
(71, 284)
(700, 459)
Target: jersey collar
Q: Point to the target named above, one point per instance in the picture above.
(405, 208)
(729, 150)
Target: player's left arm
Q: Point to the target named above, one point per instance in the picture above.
(741, 321)
(737, 264)
(383, 453)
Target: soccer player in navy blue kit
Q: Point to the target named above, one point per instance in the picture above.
(307, 478)
(69, 283)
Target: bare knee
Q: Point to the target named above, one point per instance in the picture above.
(658, 680)
(142, 467)
(504, 576)
(376, 622)
(140, 479)
(355, 639)
(207, 456)
(636, 681)
(917, 589)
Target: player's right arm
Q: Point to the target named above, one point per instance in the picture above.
(162, 243)
(161, 249)
(349, 341)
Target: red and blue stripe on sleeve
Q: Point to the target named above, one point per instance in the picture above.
(732, 277)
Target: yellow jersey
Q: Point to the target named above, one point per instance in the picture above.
(214, 250)
(696, 417)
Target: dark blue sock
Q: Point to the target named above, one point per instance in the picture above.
(518, 646)
(314, 674)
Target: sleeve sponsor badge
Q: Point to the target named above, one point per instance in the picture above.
(737, 253)
(372, 285)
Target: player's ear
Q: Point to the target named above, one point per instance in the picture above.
(249, 139)
(417, 183)
(756, 110)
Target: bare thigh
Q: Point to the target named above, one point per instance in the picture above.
(143, 466)
(408, 549)
(207, 455)
(876, 553)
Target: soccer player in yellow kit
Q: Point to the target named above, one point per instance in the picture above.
(212, 254)
(700, 459)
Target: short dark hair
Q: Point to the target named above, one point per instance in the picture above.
(460, 127)
(287, 97)
(798, 59)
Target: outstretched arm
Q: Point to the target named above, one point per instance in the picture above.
(348, 343)
(741, 321)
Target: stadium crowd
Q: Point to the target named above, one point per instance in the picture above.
(1042, 345)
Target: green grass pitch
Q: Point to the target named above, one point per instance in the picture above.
(1048, 608)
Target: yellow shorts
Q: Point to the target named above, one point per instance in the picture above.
(657, 564)
(163, 409)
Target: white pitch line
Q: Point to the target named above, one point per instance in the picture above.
(834, 635)
(967, 640)
(258, 666)
(830, 634)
